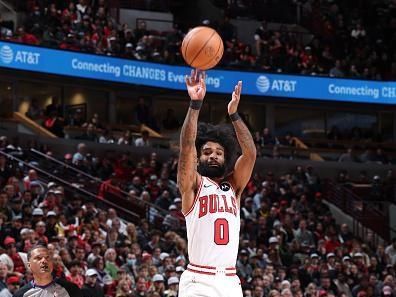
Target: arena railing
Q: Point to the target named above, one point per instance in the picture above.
(46, 177)
(371, 214)
(154, 213)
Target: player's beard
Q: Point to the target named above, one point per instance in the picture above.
(211, 171)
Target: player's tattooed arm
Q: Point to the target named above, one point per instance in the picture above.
(245, 163)
(188, 153)
(186, 174)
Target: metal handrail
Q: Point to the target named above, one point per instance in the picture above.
(146, 203)
(358, 208)
(64, 182)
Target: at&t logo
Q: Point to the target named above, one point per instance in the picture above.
(263, 84)
(6, 54)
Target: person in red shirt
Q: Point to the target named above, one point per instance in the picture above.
(19, 259)
(332, 243)
(109, 188)
(25, 37)
(75, 276)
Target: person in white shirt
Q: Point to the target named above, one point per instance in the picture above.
(143, 140)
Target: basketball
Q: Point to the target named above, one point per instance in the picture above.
(202, 48)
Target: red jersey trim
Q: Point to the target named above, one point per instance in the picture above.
(201, 272)
(195, 199)
(210, 267)
(201, 266)
(212, 181)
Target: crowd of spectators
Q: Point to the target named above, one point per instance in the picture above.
(56, 120)
(290, 244)
(348, 40)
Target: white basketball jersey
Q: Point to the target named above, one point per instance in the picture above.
(213, 224)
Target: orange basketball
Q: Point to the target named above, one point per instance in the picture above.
(202, 48)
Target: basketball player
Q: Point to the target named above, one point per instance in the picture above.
(211, 184)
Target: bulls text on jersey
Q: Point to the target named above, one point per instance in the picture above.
(214, 203)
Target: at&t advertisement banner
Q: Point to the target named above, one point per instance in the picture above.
(23, 57)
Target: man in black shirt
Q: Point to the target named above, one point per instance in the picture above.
(91, 288)
(43, 284)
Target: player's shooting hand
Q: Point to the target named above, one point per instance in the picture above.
(196, 86)
(236, 96)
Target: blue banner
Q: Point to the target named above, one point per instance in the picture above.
(23, 57)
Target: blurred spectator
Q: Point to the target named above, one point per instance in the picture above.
(76, 119)
(89, 133)
(3, 276)
(90, 288)
(143, 140)
(80, 156)
(349, 156)
(54, 124)
(35, 112)
(54, 108)
(336, 71)
(126, 139)
(13, 284)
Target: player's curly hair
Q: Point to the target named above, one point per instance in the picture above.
(222, 134)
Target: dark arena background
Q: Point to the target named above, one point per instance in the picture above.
(92, 99)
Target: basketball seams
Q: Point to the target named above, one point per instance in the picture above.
(186, 46)
(221, 47)
(198, 46)
(186, 42)
(203, 46)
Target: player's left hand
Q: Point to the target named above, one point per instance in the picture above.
(236, 96)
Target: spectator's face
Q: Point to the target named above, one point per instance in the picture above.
(3, 270)
(136, 181)
(80, 254)
(159, 285)
(27, 197)
(57, 260)
(3, 199)
(212, 160)
(40, 262)
(258, 292)
(17, 205)
(10, 190)
(40, 228)
(91, 280)
(135, 249)
(311, 289)
(141, 285)
(388, 280)
(372, 280)
(325, 282)
(111, 255)
(266, 281)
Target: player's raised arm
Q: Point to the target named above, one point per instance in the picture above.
(187, 177)
(245, 163)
